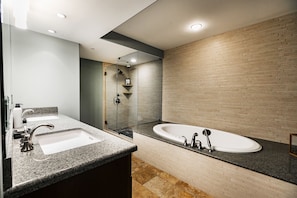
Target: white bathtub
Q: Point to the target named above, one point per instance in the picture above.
(220, 140)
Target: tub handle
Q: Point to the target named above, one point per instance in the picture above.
(199, 144)
(193, 142)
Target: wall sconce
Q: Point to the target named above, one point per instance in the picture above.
(293, 144)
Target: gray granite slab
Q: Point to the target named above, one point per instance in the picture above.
(273, 160)
(33, 170)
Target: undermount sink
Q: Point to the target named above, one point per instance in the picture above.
(42, 118)
(64, 140)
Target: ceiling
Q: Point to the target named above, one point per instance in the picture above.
(163, 23)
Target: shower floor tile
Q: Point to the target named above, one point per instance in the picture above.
(150, 182)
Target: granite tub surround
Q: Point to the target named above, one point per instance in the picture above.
(215, 177)
(273, 160)
(33, 170)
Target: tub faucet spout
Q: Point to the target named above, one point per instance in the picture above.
(207, 133)
(185, 141)
(196, 143)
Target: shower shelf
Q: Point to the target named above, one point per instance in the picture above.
(127, 87)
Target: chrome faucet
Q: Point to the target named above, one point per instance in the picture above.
(207, 133)
(194, 142)
(25, 112)
(26, 143)
(185, 141)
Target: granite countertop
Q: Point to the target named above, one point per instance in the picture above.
(33, 170)
(273, 160)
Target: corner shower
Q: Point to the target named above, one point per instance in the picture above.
(117, 102)
(133, 96)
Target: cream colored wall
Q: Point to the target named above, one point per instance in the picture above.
(243, 81)
(216, 178)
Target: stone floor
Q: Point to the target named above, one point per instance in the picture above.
(150, 182)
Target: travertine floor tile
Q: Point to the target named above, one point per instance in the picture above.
(158, 186)
(150, 182)
(168, 177)
(137, 164)
(144, 174)
(140, 191)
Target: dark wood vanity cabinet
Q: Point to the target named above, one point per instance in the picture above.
(110, 180)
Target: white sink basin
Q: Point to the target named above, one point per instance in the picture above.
(42, 118)
(64, 140)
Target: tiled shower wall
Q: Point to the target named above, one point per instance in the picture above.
(243, 81)
(149, 91)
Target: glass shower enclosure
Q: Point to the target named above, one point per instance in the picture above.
(133, 96)
(120, 114)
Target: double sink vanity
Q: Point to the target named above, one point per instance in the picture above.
(72, 159)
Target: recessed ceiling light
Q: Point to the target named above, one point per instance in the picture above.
(60, 15)
(196, 27)
(52, 31)
(133, 60)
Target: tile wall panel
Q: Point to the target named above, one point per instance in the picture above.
(243, 81)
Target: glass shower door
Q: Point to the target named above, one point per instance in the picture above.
(135, 105)
(117, 100)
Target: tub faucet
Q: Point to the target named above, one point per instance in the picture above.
(207, 133)
(26, 141)
(185, 141)
(194, 142)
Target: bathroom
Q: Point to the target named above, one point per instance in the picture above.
(243, 81)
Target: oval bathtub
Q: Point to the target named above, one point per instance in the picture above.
(220, 140)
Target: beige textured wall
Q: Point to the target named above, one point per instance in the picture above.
(243, 81)
(149, 101)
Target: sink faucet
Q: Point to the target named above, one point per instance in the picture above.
(194, 142)
(207, 133)
(26, 141)
(25, 112)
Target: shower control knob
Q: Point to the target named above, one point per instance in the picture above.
(116, 100)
